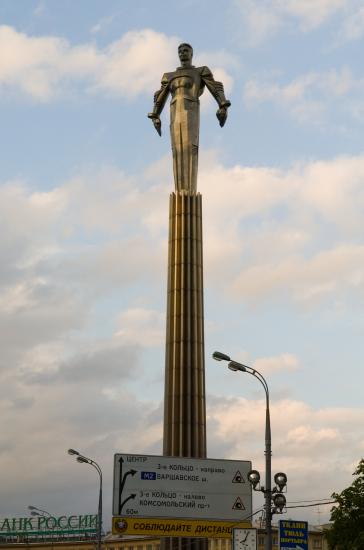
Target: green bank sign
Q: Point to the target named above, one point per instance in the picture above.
(42, 525)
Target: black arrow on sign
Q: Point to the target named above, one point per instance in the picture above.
(122, 483)
(120, 475)
(125, 501)
(130, 473)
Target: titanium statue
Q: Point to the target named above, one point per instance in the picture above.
(185, 85)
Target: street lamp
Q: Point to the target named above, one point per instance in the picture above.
(85, 460)
(280, 479)
(43, 514)
(38, 511)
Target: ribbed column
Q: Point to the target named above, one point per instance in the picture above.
(184, 400)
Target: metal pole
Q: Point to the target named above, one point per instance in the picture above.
(268, 457)
(84, 459)
(100, 512)
(268, 460)
(268, 477)
(267, 490)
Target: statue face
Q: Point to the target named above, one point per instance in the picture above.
(185, 53)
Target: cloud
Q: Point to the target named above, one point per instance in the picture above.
(43, 67)
(285, 361)
(40, 9)
(135, 63)
(327, 274)
(105, 365)
(263, 19)
(305, 237)
(309, 98)
(60, 379)
(352, 27)
(97, 423)
(71, 391)
(310, 13)
(90, 253)
(142, 326)
(37, 65)
(66, 256)
(102, 24)
(46, 68)
(299, 433)
(294, 233)
(222, 65)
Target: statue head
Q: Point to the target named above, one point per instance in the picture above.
(185, 53)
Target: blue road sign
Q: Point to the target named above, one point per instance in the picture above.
(293, 535)
(148, 475)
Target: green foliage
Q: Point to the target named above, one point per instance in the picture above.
(347, 532)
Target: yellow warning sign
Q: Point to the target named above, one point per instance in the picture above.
(175, 527)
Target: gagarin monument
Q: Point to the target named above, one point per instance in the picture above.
(185, 85)
(184, 413)
(184, 400)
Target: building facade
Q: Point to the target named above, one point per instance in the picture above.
(316, 541)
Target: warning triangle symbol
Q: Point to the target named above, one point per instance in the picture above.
(238, 504)
(238, 478)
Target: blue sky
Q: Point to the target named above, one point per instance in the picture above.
(84, 185)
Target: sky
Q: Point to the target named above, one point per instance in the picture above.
(84, 190)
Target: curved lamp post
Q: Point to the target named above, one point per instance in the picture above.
(43, 513)
(280, 479)
(85, 460)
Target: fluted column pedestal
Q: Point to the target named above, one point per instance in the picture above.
(184, 400)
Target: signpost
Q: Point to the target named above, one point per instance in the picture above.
(181, 488)
(293, 535)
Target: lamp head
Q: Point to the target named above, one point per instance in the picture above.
(280, 480)
(219, 356)
(254, 478)
(82, 460)
(35, 513)
(279, 501)
(233, 365)
(32, 507)
(72, 452)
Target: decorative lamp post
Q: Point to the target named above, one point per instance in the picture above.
(271, 496)
(85, 460)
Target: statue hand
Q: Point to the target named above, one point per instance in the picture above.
(158, 125)
(222, 115)
(157, 122)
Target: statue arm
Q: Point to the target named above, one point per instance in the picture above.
(217, 91)
(160, 98)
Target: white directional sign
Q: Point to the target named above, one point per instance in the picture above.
(159, 486)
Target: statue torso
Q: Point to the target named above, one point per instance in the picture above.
(186, 83)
